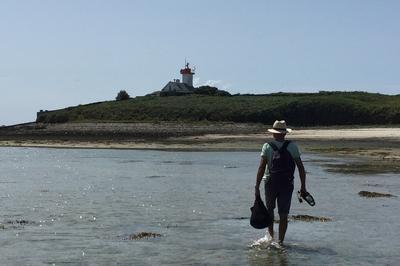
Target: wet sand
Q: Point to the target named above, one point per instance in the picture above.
(380, 143)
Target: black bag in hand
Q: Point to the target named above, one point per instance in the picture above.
(259, 215)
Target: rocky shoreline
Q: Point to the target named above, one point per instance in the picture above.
(377, 143)
(120, 131)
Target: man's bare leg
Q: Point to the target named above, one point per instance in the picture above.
(271, 230)
(271, 227)
(283, 222)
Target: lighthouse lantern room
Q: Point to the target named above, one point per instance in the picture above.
(187, 75)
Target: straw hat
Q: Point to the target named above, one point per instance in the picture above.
(279, 127)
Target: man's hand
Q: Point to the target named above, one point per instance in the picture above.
(303, 192)
(257, 191)
(302, 175)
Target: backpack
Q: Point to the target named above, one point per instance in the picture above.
(281, 166)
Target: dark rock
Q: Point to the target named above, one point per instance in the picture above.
(142, 235)
(309, 218)
(369, 194)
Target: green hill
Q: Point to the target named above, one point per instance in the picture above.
(300, 109)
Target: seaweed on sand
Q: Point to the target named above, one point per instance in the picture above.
(370, 194)
(142, 235)
(370, 167)
(309, 218)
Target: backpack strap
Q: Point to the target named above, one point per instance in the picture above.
(273, 146)
(285, 144)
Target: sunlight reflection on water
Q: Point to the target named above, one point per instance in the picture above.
(78, 206)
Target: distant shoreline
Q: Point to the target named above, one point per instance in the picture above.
(373, 142)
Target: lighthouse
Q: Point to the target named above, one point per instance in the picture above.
(176, 87)
(187, 75)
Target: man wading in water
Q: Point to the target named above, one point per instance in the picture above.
(281, 156)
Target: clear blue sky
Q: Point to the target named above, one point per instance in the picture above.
(55, 54)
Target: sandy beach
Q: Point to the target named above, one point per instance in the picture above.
(370, 142)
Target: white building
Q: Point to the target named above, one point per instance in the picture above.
(186, 86)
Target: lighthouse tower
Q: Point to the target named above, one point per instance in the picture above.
(187, 75)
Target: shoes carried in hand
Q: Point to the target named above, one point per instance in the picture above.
(307, 197)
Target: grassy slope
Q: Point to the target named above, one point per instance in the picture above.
(325, 108)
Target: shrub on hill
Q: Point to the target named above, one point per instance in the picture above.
(52, 118)
(212, 91)
(122, 95)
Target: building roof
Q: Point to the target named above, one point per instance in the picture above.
(178, 87)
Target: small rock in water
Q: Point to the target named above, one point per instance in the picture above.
(142, 235)
(20, 222)
(15, 224)
(369, 194)
(309, 218)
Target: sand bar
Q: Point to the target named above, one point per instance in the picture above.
(377, 142)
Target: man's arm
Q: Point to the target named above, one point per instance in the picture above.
(260, 174)
(302, 174)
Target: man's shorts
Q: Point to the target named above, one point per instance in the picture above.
(282, 193)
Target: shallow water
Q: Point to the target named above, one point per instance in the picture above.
(66, 206)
